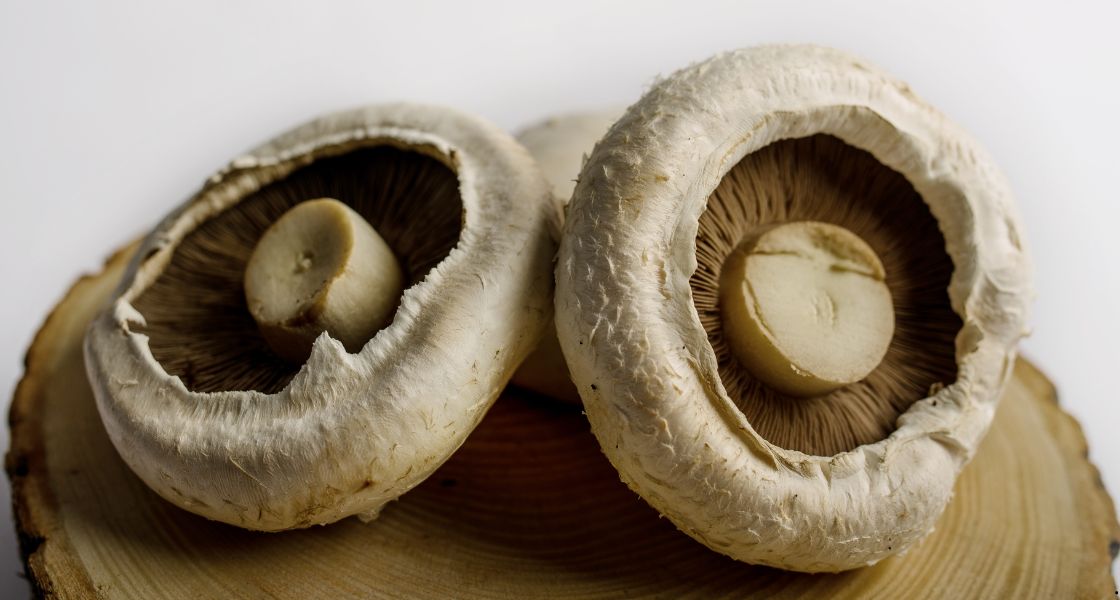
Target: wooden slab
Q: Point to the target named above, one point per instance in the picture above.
(529, 507)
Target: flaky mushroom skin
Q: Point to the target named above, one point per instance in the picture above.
(643, 365)
(559, 145)
(351, 431)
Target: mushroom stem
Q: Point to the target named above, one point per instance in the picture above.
(805, 307)
(321, 268)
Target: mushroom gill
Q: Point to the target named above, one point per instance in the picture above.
(196, 318)
(821, 178)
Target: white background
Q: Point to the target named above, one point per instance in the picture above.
(112, 112)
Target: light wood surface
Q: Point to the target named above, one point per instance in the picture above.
(529, 507)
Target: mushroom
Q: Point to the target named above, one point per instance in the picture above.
(559, 145)
(812, 178)
(262, 367)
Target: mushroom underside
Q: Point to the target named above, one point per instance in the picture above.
(198, 324)
(821, 178)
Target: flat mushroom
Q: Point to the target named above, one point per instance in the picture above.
(324, 323)
(790, 293)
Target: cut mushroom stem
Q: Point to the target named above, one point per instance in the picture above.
(321, 268)
(806, 307)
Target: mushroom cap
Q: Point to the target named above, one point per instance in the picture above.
(647, 372)
(350, 432)
(559, 145)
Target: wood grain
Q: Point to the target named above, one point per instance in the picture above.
(528, 508)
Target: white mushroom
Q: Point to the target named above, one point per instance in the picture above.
(201, 408)
(559, 145)
(715, 154)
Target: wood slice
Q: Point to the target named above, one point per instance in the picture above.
(529, 507)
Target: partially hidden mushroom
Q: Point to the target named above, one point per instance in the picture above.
(789, 293)
(323, 324)
(559, 145)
